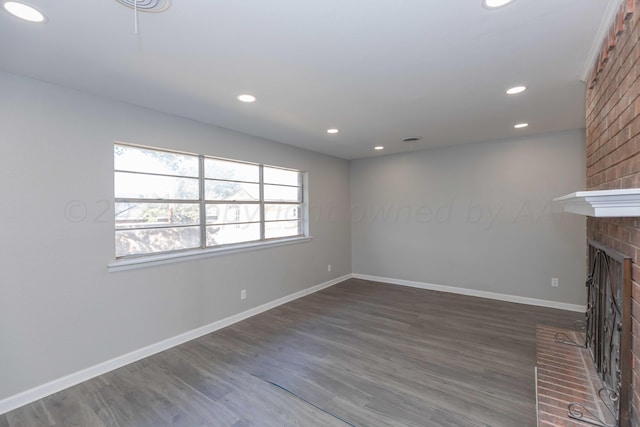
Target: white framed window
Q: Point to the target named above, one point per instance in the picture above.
(168, 201)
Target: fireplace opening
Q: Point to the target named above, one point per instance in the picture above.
(601, 343)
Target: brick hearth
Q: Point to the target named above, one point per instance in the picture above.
(565, 374)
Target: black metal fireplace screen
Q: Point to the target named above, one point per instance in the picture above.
(607, 332)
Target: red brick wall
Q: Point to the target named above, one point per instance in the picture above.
(613, 151)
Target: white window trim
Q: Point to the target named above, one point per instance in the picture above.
(149, 260)
(188, 255)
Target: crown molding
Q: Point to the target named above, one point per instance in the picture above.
(608, 16)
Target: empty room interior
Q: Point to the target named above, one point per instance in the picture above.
(320, 213)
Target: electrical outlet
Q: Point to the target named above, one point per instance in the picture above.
(554, 282)
(243, 294)
(329, 267)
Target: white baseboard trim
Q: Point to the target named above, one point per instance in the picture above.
(475, 293)
(13, 402)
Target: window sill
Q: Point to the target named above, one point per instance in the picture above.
(152, 260)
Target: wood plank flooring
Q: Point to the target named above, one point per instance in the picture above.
(359, 353)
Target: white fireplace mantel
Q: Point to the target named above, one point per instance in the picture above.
(603, 203)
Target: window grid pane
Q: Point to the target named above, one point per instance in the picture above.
(131, 215)
(222, 213)
(231, 190)
(230, 170)
(281, 212)
(282, 193)
(143, 186)
(148, 160)
(275, 229)
(232, 233)
(281, 176)
(156, 240)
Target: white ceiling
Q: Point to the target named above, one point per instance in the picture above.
(379, 70)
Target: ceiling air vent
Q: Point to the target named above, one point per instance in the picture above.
(412, 138)
(147, 5)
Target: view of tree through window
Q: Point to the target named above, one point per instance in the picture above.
(169, 201)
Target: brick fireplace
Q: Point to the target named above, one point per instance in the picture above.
(584, 375)
(613, 153)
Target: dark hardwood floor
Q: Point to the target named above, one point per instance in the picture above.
(359, 353)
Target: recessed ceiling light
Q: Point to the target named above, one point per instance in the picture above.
(516, 89)
(521, 125)
(494, 4)
(332, 130)
(246, 98)
(24, 11)
(378, 147)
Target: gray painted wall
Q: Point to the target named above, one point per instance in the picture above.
(60, 310)
(474, 216)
